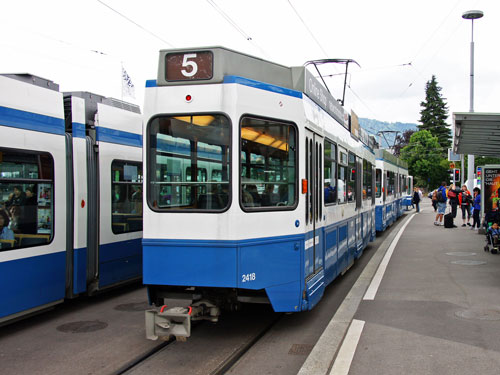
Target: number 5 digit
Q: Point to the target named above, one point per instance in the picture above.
(192, 64)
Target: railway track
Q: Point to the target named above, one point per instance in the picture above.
(215, 355)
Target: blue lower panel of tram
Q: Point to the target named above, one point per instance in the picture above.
(273, 264)
(80, 270)
(380, 218)
(278, 265)
(43, 284)
(120, 261)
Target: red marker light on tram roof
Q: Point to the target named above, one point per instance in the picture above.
(189, 98)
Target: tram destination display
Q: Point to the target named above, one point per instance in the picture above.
(189, 66)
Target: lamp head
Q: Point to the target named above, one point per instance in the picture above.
(472, 14)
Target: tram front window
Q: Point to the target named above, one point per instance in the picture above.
(267, 164)
(189, 163)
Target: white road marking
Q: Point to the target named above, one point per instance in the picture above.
(343, 361)
(377, 279)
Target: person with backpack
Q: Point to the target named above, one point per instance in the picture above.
(465, 201)
(453, 199)
(441, 197)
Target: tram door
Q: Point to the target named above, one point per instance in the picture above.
(314, 204)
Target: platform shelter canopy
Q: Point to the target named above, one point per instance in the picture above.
(476, 133)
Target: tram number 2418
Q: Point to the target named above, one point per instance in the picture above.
(245, 278)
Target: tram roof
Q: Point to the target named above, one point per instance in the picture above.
(213, 64)
(476, 133)
(383, 154)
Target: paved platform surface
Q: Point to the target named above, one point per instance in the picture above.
(436, 309)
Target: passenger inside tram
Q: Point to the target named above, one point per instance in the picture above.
(269, 197)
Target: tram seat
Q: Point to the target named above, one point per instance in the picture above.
(7, 244)
(120, 228)
(134, 223)
(31, 239)
(210, 201)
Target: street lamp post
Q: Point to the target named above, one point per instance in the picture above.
(471, 15)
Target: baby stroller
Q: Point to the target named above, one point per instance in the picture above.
(491, 222)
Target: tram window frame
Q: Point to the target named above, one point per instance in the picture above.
(378, 183)
(367, 180)
(391, 188)
(153, 185)
(351, 182)
(43, 187)
(120, 222)
(342, 176)
(374, 184)
(330, 160)
(269, 164)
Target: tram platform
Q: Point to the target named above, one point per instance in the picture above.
(427, 303)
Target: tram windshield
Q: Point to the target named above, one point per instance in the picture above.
(267, 164)
(189, 163)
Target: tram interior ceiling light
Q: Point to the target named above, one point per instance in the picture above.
(253, 135)
(196, 120)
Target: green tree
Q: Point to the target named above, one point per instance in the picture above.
(425, 161)
(434, 114)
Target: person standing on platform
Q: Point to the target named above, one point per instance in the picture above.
(476, 205)
(441, 198)
(453, 198)
(465, 201)
(416, 199)
(434, 200)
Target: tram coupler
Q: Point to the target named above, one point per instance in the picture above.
(176, 321)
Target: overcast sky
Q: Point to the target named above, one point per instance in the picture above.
(400, 44)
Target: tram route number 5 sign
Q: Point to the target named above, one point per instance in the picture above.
(189, 66)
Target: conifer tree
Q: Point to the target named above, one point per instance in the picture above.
(434, 114)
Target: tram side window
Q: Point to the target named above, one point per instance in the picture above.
(351, 184)
(342, 178)
(126, 196)
(378, 183)
(390, 183)
(189, 161)
(367, 180)
(268, 164)
(27, 199)
(330, 173)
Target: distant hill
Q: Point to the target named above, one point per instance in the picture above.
(375, 126)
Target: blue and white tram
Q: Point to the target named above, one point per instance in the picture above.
(392, 187)
(256, 189)
(71, 192)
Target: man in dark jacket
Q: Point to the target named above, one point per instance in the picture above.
(453, 198)
(416, 199)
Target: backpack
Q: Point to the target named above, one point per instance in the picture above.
(439, 196)
(452, 194)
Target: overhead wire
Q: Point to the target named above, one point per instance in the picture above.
(235, 25)
(136, 24)
(308, 29)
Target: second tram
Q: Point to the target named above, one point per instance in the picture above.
(70, 193)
